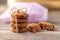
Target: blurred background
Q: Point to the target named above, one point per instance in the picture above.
(52, 5)
(3, 5)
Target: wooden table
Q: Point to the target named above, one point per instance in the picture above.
(54, 17)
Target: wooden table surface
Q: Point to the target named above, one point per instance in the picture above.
(53, 17)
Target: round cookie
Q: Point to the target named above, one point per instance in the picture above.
(19, 15)
(42, 24)
(20, 30)
(18, 25)
(47, 26)
(13, 29)
(18, 20)
(50, 27)
(34, 27)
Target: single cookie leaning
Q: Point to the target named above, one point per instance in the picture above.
(50, 27)
(46, 26)
(34, 27)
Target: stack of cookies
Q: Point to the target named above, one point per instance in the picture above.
(19, 21)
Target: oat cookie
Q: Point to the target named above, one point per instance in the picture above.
(46, 26)
(34, 27)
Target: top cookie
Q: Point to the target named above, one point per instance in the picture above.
(19, 14)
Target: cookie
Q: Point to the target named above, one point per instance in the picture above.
(34, 27)
(19, 15)
(18, 25)
(19, 30)
(18, 20)
(50, 27)
(47, 26)
(13, 29)
(42, 24)
(22, 30)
